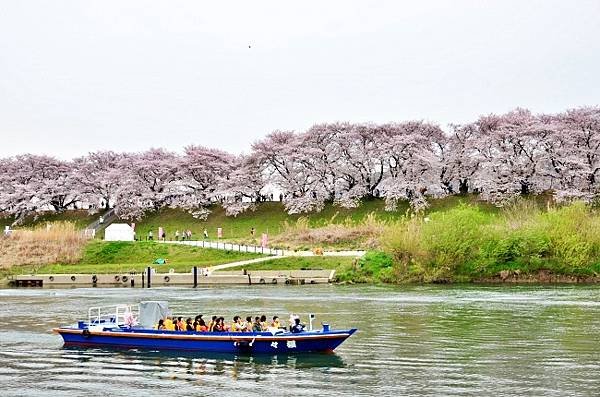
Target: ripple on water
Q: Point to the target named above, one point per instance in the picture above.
(417, 341)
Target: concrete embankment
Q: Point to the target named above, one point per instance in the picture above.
(195, 278)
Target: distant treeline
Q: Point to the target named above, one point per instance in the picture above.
(497, 156)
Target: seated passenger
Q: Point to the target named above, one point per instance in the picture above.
(226, 327)
(276, 323)
(188, 325)
(169, 326)
(297, 327)
(219, 325)
(263, 323)
(200, 324)
(236, 325)
(161, 325)
(256, 325)
(248, 324)
(212, 323)
(179, 325)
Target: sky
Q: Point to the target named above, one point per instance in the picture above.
(82, 76)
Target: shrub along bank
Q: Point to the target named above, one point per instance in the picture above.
(467, 243)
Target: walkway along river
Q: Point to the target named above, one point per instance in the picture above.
(417, 341)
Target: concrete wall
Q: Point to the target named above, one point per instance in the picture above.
(268, 277)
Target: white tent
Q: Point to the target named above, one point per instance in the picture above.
(118, 232)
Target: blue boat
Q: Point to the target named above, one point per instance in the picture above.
(131, 327)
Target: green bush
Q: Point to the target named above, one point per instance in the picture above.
(468, 242)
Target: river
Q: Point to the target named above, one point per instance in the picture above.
(412, 341)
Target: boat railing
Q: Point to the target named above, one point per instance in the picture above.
(118, 314)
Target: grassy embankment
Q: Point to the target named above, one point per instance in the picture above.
(332, 228)
(458, 239)
(105, 257)
(523, 242)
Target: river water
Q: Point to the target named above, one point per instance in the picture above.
(412, 341)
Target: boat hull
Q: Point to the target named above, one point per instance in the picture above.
(229, 342)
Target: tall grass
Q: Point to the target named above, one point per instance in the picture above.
(347, 234)
(60, 242)
(466, 242)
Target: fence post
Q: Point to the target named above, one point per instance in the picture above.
(195, 271)
(149, 272)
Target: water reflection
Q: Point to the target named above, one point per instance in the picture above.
(299, 360)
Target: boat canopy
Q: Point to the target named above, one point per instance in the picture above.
(151, 312)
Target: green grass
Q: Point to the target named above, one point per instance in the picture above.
(300, 263)
(467, 243)
(108, 257)
(270, 218)
(99, 252)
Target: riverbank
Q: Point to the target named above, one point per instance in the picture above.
(531, 240)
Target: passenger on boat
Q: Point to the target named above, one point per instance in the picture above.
(256, 325)
(263, 323)
(248, 324)
(297, 327)
(292, 320)
(276, 323)
(219, 325)
(161, 325)
(212, 323)
(179, 325)
(188, 325)
(169, 324)
(226, 327)
(236, 325)
(200, 325)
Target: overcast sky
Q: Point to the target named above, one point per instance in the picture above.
(124, 75)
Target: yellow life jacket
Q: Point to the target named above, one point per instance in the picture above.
(276, 324)
(236, 327)
(169, 325)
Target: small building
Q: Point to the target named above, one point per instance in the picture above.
(119, 232)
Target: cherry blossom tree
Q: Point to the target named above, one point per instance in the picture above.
(360, 163)
(281, 159)
(414, 163)
(32, 182)
(511, 153)
(200, 172)
(98, 176)
(498, 156)
(150, 181)
(240, 188)
(577, 155)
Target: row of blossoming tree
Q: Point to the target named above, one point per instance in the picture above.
(497, 156)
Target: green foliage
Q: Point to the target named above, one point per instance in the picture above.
(374, 266)
(468, 242)
(146, 252)
(300, 263)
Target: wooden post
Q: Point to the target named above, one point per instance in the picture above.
(149, 275)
